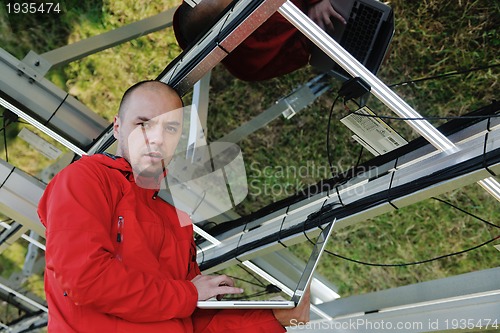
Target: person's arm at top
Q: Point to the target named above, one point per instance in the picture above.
(322, 13)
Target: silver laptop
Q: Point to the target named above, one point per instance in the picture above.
(304, 281)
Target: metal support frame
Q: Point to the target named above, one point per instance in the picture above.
(19, 197)
(91, 45)
(24, 91)
(464, 139)
(201, 100)
(287, 106)
(29, 323)
(30, 302)
(32, 262)
(465, 301)
(10, 234)
(21, 235)
(480, 140)
(226, 34)
(199, 113)
(47, 107)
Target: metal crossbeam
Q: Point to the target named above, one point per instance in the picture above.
(286, 224)
(91, 45)
(379, 89)
(19, 197)
(226, 34)
(47, 107)
(287, 106)
(464, 301)
(352, 66)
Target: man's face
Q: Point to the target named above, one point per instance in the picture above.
(149, 130)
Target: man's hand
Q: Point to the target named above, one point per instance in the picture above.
(297, 315)
(322, 13)
(209, 286)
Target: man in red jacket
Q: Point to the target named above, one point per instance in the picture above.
(274, 49)
(118, 259)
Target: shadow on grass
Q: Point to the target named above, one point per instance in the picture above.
(42, 32)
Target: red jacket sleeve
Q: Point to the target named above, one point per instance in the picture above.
(80, 254)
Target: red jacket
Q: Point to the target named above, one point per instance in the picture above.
(274, 49)
(117, 259)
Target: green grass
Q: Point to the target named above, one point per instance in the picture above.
(418, 232)
(432, 38)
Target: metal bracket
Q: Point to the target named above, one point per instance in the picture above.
(34, 66)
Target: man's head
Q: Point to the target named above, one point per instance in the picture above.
(148, 127)
(190, 22)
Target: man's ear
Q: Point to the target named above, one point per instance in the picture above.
(116, 126)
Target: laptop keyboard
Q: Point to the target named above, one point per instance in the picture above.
(360, 30)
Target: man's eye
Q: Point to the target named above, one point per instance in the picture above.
(144, 124)
(171, 129)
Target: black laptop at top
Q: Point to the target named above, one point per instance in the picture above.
(366, 35)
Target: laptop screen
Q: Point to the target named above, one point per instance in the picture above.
(313, 261)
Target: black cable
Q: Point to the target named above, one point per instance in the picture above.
(466, 212)
(328, 149)
(416, 262)
(359, 157)
(367, 202)
(428, 117)
(390, 186)
(205, 227)
(427, 260)
(362, 147)
(457, 72)
(447, 129)
(8, 118)
(281, 228)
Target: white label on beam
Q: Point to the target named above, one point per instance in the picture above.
(44, 147)
(372, 132)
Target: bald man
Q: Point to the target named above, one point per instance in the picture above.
(118, 259)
